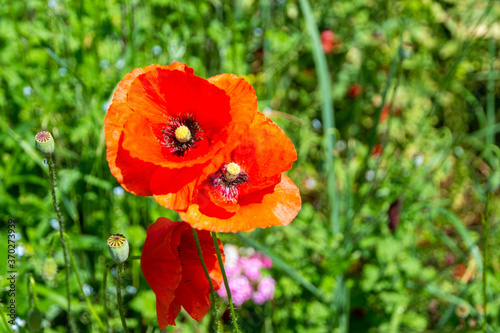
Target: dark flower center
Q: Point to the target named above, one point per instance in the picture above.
(181, 134)
(226, 183)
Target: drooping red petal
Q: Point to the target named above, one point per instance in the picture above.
(161, 266)
(271, 206)
(131, 173)
(193, 291)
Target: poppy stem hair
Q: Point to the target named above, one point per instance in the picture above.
(212, 292)
(121, 268)
(226, 285)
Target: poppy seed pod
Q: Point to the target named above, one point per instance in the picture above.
(49, 269)
(44, 143)
(405, 50)
(35, 318)
(118, 248)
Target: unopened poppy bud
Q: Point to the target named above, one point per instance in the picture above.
(118, 248)
(44, 143)
(49, 269)
(35, 318)
(405, 50)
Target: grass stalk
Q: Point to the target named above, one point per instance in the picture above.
(80, 286)
(486, 232)
(327, 111)
(212, 292)
(226, 284)
(4, 320)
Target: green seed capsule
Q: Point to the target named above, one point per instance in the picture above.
(35, 318)
(49, 269)
(405, 50)
(44, 143)
(118, 248)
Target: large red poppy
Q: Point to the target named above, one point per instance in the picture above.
(172, 268)
(249, 190)
(166, 125)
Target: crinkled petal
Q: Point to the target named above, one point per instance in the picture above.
(193, 292)
(161, 265)
(272, 206)
(121, 164)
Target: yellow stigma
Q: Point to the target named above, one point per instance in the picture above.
(183, 134)
(232, 171)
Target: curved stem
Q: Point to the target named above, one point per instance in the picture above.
(212, 292)
(121, 268)
(223, 271)
(53, 183)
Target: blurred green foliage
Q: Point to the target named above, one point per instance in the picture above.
(438, 155)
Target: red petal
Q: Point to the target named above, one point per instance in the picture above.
(118, 113)
(161, 265)
(264, 153)
(271, 206)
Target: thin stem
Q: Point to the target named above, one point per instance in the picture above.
(119, 275)
(212, 292)
(486, 232)
(226, 284)
(105, 303)
(4, 320)
(80, 286)
(53, 183)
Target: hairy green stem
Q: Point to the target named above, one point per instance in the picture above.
(212, 292)
(226, 284)
(80, 286)
(104, 301)
(57, 210)
(121, 268)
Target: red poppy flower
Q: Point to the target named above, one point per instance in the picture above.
(166, 125)
(172, 268)
(355, 90)
(328, 41)
(249, 190)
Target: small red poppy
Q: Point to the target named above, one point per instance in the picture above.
(328, 41)
(355, 90)
(172, 268)
(166, 125)
(249, 190)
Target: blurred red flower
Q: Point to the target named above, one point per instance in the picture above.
(166, 125)
(328, 41)
(355, 90)
(386, 110)
(172, 268)
(249, 190)
(377, 150)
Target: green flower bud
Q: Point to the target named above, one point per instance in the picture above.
(405, 50)
(49, 269)
(44, 143)
(35, 318)
(118, 248)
